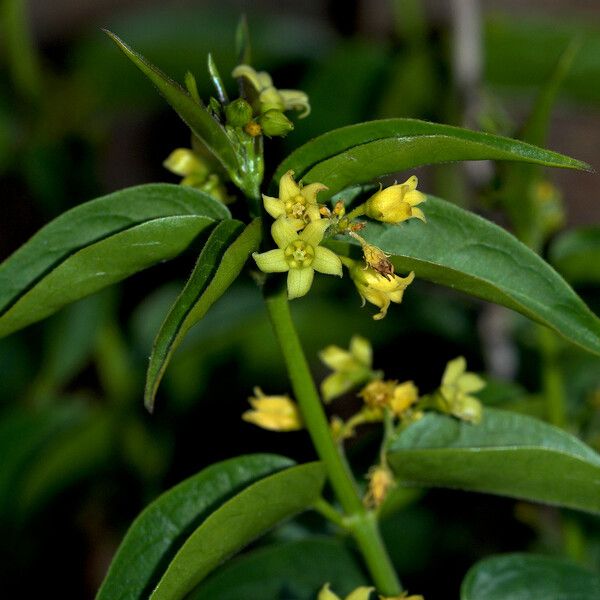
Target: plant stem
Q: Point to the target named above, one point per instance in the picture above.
(552, 380)
(20, 48)
(361, 523)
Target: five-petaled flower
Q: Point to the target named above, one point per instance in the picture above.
(298, 203)
(350, 367)
(396, 203)
(299, 254)
(377, 289)
(277, 413)
(454, 395)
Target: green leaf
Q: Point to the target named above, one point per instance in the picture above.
(242, 519)
(360, 153)
(195, 115)
(98, 243)
(219, 264)
(506, 454)
(463, 251)
(24, 435)
(67, 458)
(529, 577)
(294, 569)
(576, 254)
(159, 531)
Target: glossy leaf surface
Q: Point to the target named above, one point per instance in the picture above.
(576, 254)
(98, 243)
(195, 115)
(159, 531)
(220, 262)
(529, 577)
(506, 454)
(242, 519)
(461, 250)
(296, 568)
(360, 153)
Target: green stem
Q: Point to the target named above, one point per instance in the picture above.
(361, 523)
(330, 513)
(357, 212)
(552, 380)
(20, 48)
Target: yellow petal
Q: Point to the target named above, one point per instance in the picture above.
(311, 190)
(249, 73)
(336, 358)
(361, 349)
(405, 395)
(273, 206)
(182, 161)
(296, 100)
(361, 593)
(470, 383)
(418, 214)
(288, 188)
(272, 261)
(454, 369)
(412, 182)
(314, 231)
(414, 197)
(327, 594)
(299, 282)
(284, 232)
(327, 262)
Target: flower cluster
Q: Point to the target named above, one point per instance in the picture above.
(268, 104)
(396, 404)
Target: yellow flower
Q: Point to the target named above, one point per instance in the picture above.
(298, 203)
(268, 96)
(381, 481)
(196, 173)
(396, 203)
(350, 368)
(454, 395)
(360, 593)
(299, 254)
(185, 163)
(404, 396)
(377, 289)
(378, 394)
(277, 413)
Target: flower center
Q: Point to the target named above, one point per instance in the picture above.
(296, 206)
(299, 254)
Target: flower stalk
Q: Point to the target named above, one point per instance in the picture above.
(360, 522)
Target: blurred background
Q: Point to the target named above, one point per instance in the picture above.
(80, 456)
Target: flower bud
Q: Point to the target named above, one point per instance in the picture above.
(396, 203)
(275, 123)
(238, 113)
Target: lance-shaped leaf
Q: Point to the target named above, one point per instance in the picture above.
(506, 454)
(160, 530)
(466, 252)
(529, 577)
(220, 262)
(194, 114)
(242, 519)
(361, 153)
(576, 254)
(98, 243)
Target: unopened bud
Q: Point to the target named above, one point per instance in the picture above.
(238, 113)
(339, 209)
(275, 124)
